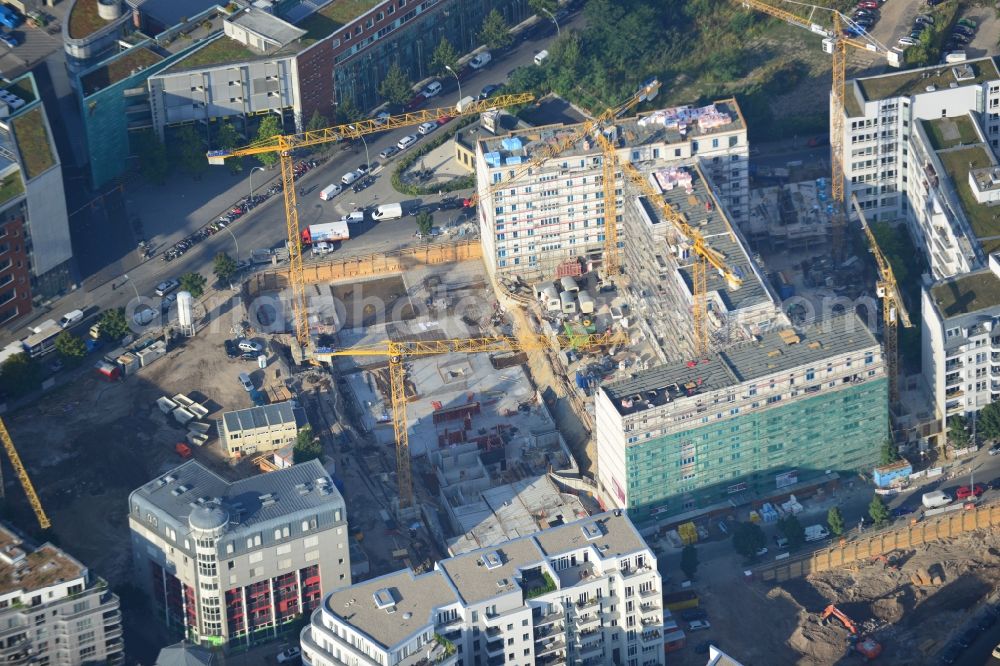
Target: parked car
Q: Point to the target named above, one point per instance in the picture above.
(868, 4)
(427, 128)
(450, 203)
(432, 89)
(363, 168)
(167, 301)
(907, 41)
(382, 117)
(489, 90)
(289, 654)
(962, 30)
(363, 184)
(246, 382)
(231, 350)
(929, 20)
(388, 152)
(996, 652)
(965, 492)
(480, 60)
(967, 22)
(406, 141)
(699, 625)
(144, 316)
(166, 287)
(250, 346)
(959, 38)
(350, 177)
(995, 450)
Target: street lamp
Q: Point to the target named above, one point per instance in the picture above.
(237, 251)
(134, 288)
(553, 17)
(367, 159)
(459, 81)
(251, 181)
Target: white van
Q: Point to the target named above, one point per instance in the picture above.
(354, 217)
(541, 56)
(329, 192)
(934, 499)
(71, 318)
(321, 248)
(406, 141)
(350, 177)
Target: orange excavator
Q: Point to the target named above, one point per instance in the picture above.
(868, 648)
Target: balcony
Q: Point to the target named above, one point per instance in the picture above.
(954, 393)
(553, 647)
(649, 607)
(113, 633)
(651, 621)
(493, 632)
(547, 630)
(651, 635)
(589, 603)
(629, 573)
(587, 620)
(494, 647)
(646, 594)
(550, 618)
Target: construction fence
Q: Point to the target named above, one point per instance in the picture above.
(945, 526)
(368, 265)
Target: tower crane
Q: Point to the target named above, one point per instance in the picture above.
(22, 475)
(893, 308)
(593, 126)
(398, 352)
(835, 42)
(285, 144)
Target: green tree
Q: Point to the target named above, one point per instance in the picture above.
(194, 282)
(792, 529)
(445, 56)
(396, 87)
(748, 538)
(495, 32)
(19, 375)
(347, 112)
(425, 222)
(70, 347)
(689, 561)
(114, 325)
(307, 447)
(878, 511)
(153, 160)
(315, 124)
(835, 520)
(269, 127)
(888, 453)
(988, 421)
(542, 6)
(958, 436)
(224, 267)
(189, 148)
(230, 139)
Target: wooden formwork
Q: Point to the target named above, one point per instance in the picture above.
(945, 526)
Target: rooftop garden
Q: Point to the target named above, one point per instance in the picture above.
(913, 81)
(23, 89)
(950, 132)
(33, 142)
(11, 186)
(958, 163)
(220, 51)
(538, 585)
(968, 293)
(84, 19)
(118, 69)
(333, 16)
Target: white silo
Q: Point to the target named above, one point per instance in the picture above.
(185, 312)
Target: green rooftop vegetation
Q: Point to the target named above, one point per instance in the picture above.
(11, 186)
(333, 16)
(118, 69)
(221, 51)
(22, 88)
(968, 293)
(958, 163)
(33, 142)
(84, 19)
(950, 132)
(913, 81)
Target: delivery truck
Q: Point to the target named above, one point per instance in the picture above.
(816, 533)
(329, 192)
(390, 211)
(329, 232)
(935, 499)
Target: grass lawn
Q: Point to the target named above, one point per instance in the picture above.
(984, 219)
(119, 69)
(218, 52)
(84, 19)
(33, 142)
(335, 15)
(10, 187)
(959, 131)
(967, 293)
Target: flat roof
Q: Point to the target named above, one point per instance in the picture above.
(720, 235)
(267, 25)
(278, 413)
(11, 186)
(476, 582)
(191, 485)
(967, 293)
(84, 19)
(33, 141)
(333, 16)
(661, 126)
(950, 132)
(617, 537)
(916, 81)
(776, 351)
(220, 51)
(169, 13)
(957, 163)
(118, 69)
(23, 567)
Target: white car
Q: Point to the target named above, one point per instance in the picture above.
(144, 316)
(407, 141)
(166, 287)
(427, 128)
(699, 625)
(250, 346)
(381, 118)
(907, 41)
(246, 382)
(350, 177)
(432, 89)
(289, 654)
(321, 248)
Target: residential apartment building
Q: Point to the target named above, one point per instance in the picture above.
(756, 420)
(35, 250)
(587, 592)
(556, 212)
(235, 562)
(240, 61)
(52, 611)
(960, 340)
(909, 139)
(260, 429)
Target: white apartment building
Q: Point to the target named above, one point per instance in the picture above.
(259, 429)
(906, 138)
(52, 611)
(587, 592)
(232, 562)
(556, 211)
(960, 341)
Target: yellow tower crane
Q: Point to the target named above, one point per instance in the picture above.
(398, 352)
(285, 144)
(893, 308)
(835, 42)
(591, 127)
(22, 475)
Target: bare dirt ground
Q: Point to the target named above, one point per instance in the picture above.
(780, 624)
